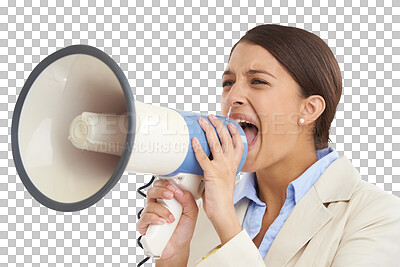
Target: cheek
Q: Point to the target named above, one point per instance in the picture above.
(224, 106)
(279, 117)
(279, 134)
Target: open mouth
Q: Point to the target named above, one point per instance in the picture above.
(250, 130)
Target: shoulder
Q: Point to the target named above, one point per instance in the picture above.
(371, 206)
(341, 185)
(370, 195)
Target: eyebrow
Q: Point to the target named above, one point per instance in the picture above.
(228, 72)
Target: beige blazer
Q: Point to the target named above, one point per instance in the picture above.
(341, 221)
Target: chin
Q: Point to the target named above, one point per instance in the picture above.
(250, 164)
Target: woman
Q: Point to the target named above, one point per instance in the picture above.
(299, 202)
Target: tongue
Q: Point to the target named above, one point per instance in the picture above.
(251, 133)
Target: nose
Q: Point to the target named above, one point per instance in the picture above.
(236, 96)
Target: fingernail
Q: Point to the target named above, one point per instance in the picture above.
(167, 194)
(171, 187)
(202, 120)
(213, 116)
(161, 220)
(196, 141)
(232, 126)
(171, 218)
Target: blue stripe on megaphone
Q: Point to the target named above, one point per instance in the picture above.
(190, 164)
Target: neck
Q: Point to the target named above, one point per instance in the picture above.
(274, 180)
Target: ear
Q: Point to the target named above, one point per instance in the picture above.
(313, 107)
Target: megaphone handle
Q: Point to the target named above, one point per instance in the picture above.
(157, 236)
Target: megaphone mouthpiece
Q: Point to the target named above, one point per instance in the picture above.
(102, 133)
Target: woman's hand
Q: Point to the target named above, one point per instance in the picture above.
(219, 175)
(155, 213)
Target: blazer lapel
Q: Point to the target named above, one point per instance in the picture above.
(338, 182)
(241, 209)
(310, 215)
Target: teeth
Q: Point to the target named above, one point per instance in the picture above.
(239, 121)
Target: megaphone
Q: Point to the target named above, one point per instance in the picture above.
(76, 128)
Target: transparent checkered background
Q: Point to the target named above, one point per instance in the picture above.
(173, 55)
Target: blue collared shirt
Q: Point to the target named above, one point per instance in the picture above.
(294, 192)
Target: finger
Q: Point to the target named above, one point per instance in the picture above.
(158, 192)
(212, 139)
(160, 210)
(161, 183)
(238, 146)
(146, 220)
(201, 157)
(164, 183)
(223, 134)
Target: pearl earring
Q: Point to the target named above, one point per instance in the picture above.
(301, 120)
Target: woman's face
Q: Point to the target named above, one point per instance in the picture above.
(258, 89)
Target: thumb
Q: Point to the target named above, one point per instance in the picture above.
(189, 206)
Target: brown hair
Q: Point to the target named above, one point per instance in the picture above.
(310, 62)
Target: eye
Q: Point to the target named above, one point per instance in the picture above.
(257, 81)
(227, 83)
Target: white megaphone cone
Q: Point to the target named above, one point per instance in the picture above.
(76, 128)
